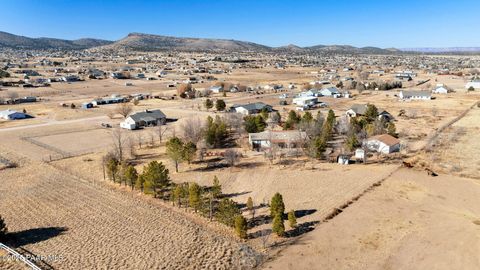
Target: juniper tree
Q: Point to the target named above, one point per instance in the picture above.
(194, 196)
(131, 176)
(277, 206)
(156, 177)
(216, 188)
(292, 220)
(241, 226)
(175, 151)
(250, 207)
(278, 227)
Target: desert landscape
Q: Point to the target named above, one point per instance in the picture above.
(162, 152)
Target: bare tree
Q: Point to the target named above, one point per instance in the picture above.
(12, 95)
(119, 143)
(124, 109)
(192, 130)
(139, 140)
(231, 156)
(161, 130)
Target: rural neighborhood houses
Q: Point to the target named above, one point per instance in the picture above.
(144, 119)
(475, 84)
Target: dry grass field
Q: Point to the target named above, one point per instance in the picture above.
(93, 227)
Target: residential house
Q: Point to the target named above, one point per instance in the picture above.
(360, 110)
(440, 89)
(305, 101)
(383, 143)
(330, 92)
(144, 119)
(216, 89)
(12, 115)
(415, 95)
(475, 83)
(251, 108)
(282, 139)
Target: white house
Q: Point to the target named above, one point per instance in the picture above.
(303, 101)
(383, 143)
(216, 89)
(251, 108)
(145, 118)
(281, 139)
(330, 92)
(440, 90)
(474, 83)
(415, 95)
(12, 115)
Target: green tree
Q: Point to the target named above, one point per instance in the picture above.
(352, 141)
(113, 166)
(371, 113)
(278, 227)
(156, 177)
(216, 188)
(139, 184)
(131, 176)
(391, 129)
(189, 150)
(175, 151)
(254, 123)
(241, 226)
(3, 228)
(276, 205)
(208, 104)
(194, 196)
(307, 117)
(250, 207)
(220, 105)
(470, 89)
(216, 132)
(331, 118)
(292, 219)
(227, 211)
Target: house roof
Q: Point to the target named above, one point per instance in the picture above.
(278, 136)
(148, 115)
(386, 139)
(416, 93)
(252, 106)
(359, 108)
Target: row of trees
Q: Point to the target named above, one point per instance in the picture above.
(220, 104)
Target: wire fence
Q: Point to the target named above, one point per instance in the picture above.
(19, 257)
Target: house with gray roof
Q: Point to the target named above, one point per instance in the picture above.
(415, 95)
(251, 108)
(144, 119)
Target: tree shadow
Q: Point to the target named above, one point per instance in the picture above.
(260, 233)
(259, 220)
(302, 228)
(210, 167)
(306, 212)
(248, 165)
(235, 194)
(32, 236)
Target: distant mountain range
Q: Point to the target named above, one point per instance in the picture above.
(21, 42)
(148, 42)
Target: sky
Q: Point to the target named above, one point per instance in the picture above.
(380, 23)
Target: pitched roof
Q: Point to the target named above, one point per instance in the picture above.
(416, 93)
(278, 136)
(252, 106)
(148, 115)
(386, 139)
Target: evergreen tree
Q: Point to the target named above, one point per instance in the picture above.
(391, 130)
(371, 113)
(278, 227)
(113, 167)
(250, 207)
(307, 117)
(292, 220)
(227, 211)
(175, 151)
(156, 177)
(208, 104)
(189, 150)
(241, 226)
(130, 176)
(139, 184)
(352, 141)
(194, 196)
(216, 188)
(277, 206)
(254, 123)
(220, 105)
(216, 132)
